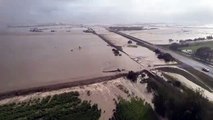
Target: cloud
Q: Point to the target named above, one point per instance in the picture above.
(105, 11)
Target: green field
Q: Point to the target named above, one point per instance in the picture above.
(66, 106)
(195, 46)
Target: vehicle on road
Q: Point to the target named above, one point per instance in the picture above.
(205, 69)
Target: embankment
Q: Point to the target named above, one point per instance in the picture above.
(59, 86)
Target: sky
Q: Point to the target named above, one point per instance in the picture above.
(22, 12)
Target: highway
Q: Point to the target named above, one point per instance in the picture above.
(190, 62)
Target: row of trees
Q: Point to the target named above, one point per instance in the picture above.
(165, 56)
(204, 53)
(195, 39)
(63, 106)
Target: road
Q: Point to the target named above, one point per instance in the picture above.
(193, 63)
(190, 62)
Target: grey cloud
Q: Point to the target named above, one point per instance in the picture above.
(104, 11)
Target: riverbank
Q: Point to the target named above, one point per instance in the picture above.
(58, 86)
(105, 94)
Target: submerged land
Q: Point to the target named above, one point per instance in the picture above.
(64, 71)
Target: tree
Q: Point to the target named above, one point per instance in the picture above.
(166, 56)
(171, 40)
(177, 83)
(129, 42)
(159, 103)
(174, 46)
(135, 109)
(132, 76)
(204, 53)
(189, 105)
(157, 51)
(209, 37)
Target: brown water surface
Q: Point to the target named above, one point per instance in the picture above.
(34, 59)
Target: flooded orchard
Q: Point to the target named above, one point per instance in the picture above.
(35, 59)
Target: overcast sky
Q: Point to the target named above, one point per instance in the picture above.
(14, 12)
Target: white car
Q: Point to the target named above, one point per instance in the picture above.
(205, 69)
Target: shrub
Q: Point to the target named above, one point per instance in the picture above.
(135, 109)
(174, 46)
(132, 76)
(157, 51)
(129, 42)
(166, 56)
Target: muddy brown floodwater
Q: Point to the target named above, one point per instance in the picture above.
(163, 34)
(35, 59)
(141, 55)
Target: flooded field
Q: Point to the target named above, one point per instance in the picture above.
(105, 94)
(33, 59)
(161, 35)
(141, 55)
